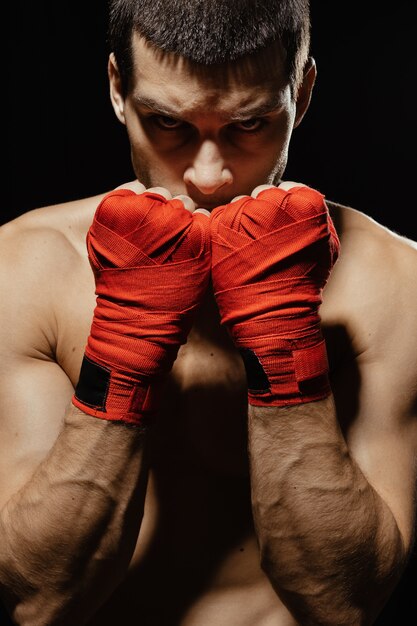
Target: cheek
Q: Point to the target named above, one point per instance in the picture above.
(281, 131)
(258, 163)
(278, 144)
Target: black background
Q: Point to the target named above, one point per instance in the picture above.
(356, 144)
(63, 141)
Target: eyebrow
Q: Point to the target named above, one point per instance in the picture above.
(273, 105)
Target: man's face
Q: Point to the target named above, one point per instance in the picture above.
(209, 133)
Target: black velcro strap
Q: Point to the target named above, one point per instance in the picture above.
(257, 379)
(93, 384)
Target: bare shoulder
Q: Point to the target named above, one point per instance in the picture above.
(371, 251)
(41, 252)
(354, 223)
(64, 223)
(43, 262)
(44, 241)
(372, 293)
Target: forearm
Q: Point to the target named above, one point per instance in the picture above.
(67, 537)
(329, 544)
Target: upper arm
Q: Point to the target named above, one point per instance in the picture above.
(34, 390)
(382, 436)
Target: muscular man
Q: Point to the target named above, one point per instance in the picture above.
(146, 477)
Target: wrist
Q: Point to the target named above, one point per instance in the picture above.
(109, 393)
(286, 369)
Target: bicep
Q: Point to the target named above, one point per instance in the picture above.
(34, 390)
(382, 438)
(34, 397)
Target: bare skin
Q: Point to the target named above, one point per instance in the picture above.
(197, 547)
(71, 508)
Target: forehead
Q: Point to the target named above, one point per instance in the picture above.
(168, 77)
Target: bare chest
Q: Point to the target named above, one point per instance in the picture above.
(197, 546)
(203, 419)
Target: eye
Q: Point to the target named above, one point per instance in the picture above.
(167, 123)
(250, 126)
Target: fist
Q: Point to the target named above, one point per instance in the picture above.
(132, 223)
(272, 254)
(280, 237)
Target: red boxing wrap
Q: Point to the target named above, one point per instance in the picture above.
(151, 263)
(271, 258)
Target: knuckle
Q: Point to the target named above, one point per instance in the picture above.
(236, 198)
(289, 184)
(186, 200)
(162, 191)
(260, 188)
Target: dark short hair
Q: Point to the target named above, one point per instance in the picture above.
(211, 32)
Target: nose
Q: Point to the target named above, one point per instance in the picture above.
(208, 172)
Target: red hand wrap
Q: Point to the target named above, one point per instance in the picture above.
(271, 257)
(151, 262)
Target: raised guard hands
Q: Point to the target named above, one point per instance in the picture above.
(272, 254)
(151, 261)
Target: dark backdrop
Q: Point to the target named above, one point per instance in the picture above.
(356, 143)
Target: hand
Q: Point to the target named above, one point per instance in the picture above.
(272, 254)
(150, 254)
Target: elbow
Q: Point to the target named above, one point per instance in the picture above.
(348, 589)
(278, 574)
(30, 612)
(26, 605)
(32, 598)
(45, 606)
(269, 558)
(27, 597)
(266, 559)
(49, 578)
(30, 604)
(25, 600)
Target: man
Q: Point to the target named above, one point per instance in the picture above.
(130, 493)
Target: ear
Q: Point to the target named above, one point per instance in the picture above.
(305, 90)
(116, 94)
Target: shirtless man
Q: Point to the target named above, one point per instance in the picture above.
(116, 510)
